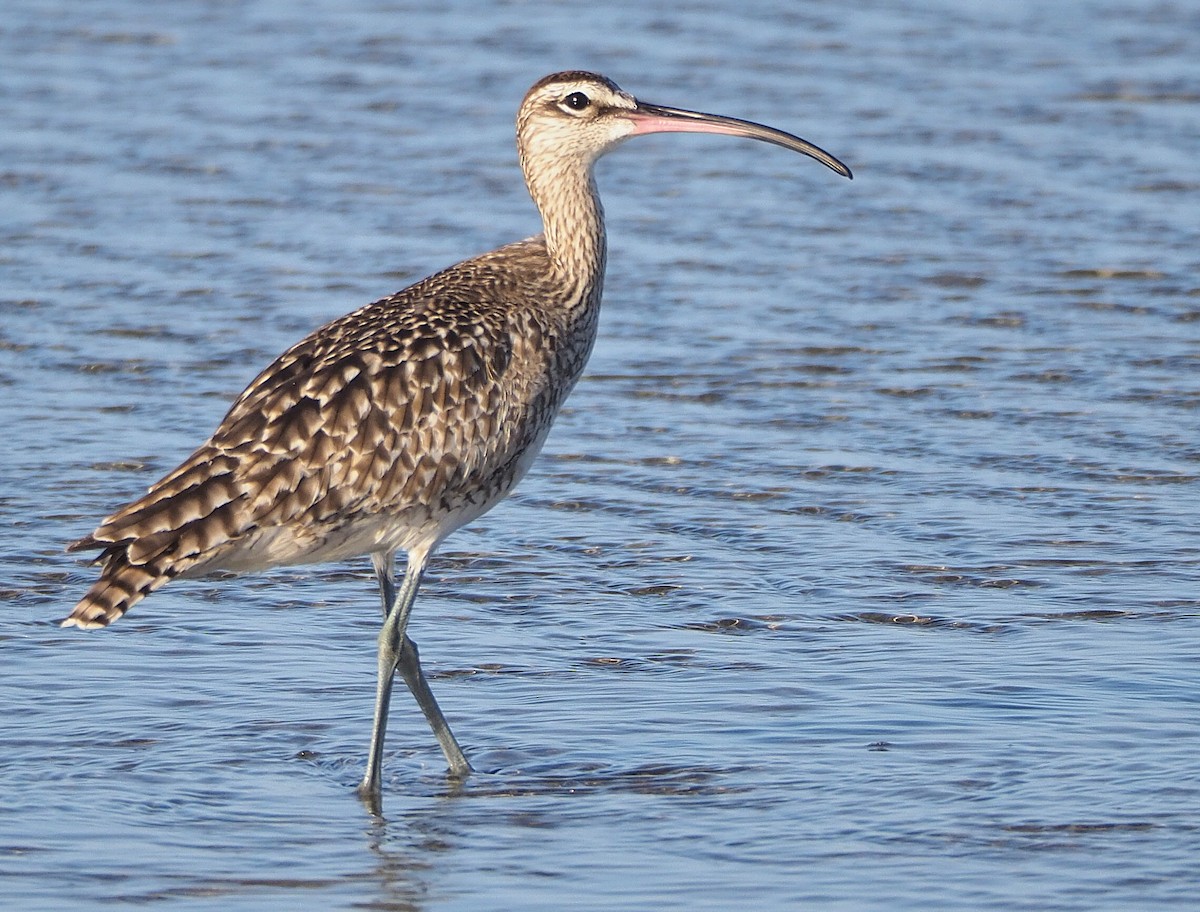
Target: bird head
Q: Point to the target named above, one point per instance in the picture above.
(576, 117)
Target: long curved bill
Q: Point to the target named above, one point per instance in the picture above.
(652, 118)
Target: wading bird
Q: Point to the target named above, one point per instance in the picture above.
(389, 428)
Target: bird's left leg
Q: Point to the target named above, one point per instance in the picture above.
(410, 671)
(398, 654)
(391, 642)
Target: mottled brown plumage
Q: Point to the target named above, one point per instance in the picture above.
(381, 431)
(391, 427)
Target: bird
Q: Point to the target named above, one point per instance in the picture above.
(389, 428)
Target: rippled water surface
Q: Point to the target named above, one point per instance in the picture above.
(860, 573)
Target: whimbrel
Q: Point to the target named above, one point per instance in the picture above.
(391, 427)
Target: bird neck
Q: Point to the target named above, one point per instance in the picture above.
(573, 222)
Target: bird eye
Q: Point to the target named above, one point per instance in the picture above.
(577, 101)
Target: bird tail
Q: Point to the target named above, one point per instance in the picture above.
(166, 533)
(121, 586)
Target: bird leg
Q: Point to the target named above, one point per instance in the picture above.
(414, 677)
(410, 671)
(399, 654)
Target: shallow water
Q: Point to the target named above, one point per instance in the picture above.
(860, 572)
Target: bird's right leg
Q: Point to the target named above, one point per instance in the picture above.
(398, 654)
(414, 677)
(391, 643)
(410, 671)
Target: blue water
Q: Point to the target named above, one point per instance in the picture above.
(860, 573)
